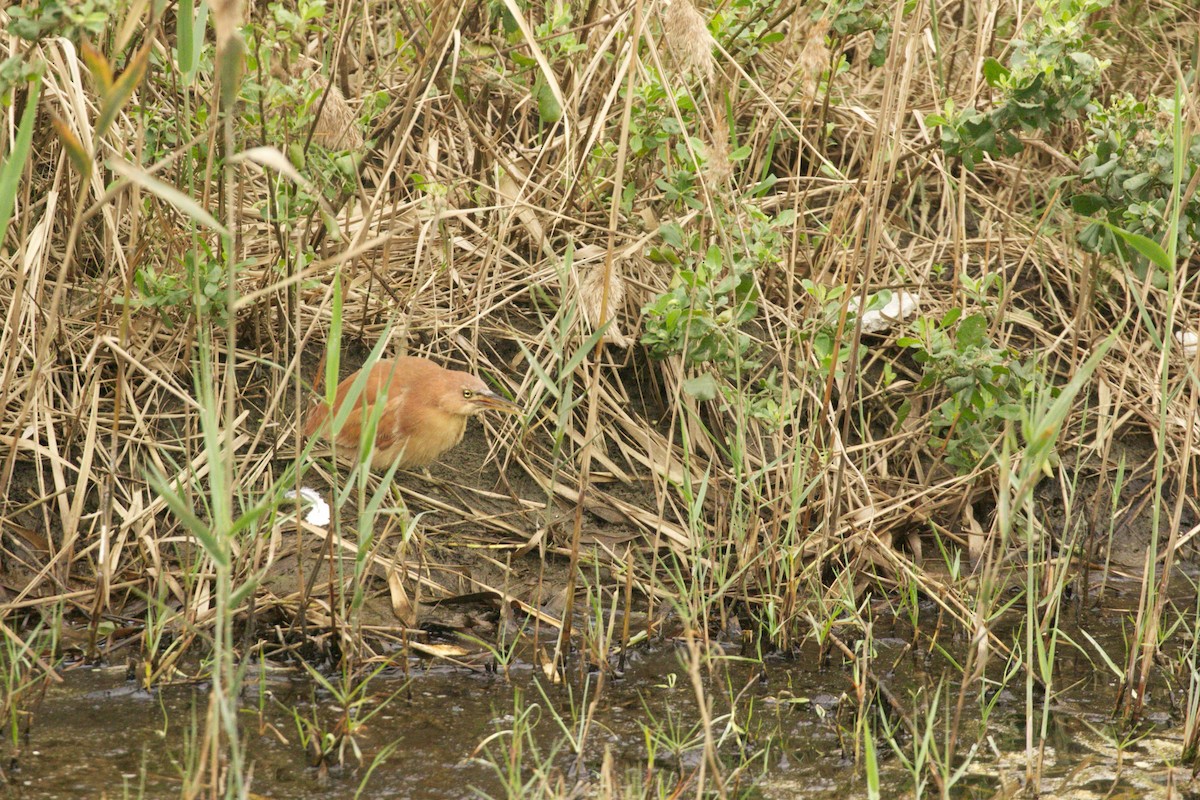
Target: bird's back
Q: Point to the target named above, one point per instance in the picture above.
(400, 384)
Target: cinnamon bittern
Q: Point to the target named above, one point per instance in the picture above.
(425, 410)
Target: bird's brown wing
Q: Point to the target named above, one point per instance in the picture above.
(394, 429)
(382, 384)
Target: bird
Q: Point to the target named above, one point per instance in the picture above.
(425, 411)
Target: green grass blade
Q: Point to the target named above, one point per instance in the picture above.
(10, 172)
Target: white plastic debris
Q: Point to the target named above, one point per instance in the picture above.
(902, 306)
(319, 513)
(1189, 341)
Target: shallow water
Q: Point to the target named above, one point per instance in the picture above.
(96, 735)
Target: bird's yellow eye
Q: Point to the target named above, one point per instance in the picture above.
(468, 394)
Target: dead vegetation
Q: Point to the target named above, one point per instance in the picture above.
(529, 189)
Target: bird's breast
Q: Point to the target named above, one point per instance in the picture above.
(421, 441)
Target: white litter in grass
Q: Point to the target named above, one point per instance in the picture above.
(1189, 340)
(319, 513)
(902, 306)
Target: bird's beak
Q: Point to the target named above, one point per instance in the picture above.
(495, 402)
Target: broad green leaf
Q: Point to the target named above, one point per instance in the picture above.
(1087, 204)
(185, 49)
(1010, 411)
(534, 44)
(192, 20)
(994, 72)
(972, 332)
(1149, 248)
(702, 387)
(549, 109)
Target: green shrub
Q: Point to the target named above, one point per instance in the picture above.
(73, 20)
(196, 290)
(1129, 171)
(701, 314)
(986, 385)
(1050, 77)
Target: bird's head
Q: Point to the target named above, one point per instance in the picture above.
(466, 395)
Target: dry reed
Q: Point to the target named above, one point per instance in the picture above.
(429, 246)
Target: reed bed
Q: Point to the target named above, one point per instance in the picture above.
(653, 224)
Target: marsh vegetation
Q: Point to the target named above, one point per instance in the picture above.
(856, 346)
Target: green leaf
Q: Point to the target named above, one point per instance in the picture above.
(1089, 237)
(333, 352)
(672, 234)
(1010, 411)
(994, 72)
(1149, 248)
(184, 513)
(713, 259)
(959, 383)
(535, 48)
(764, 186)
(1136, 182)
(241, 593)
(1088, 204)
(1102, 171)
(972, 332)
(586, 348)
(702, 387)
(14, 165)
(187, 23)
(951, 317)
(1041, 432)
(253, 515)
(549, 109)
(543, 378)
